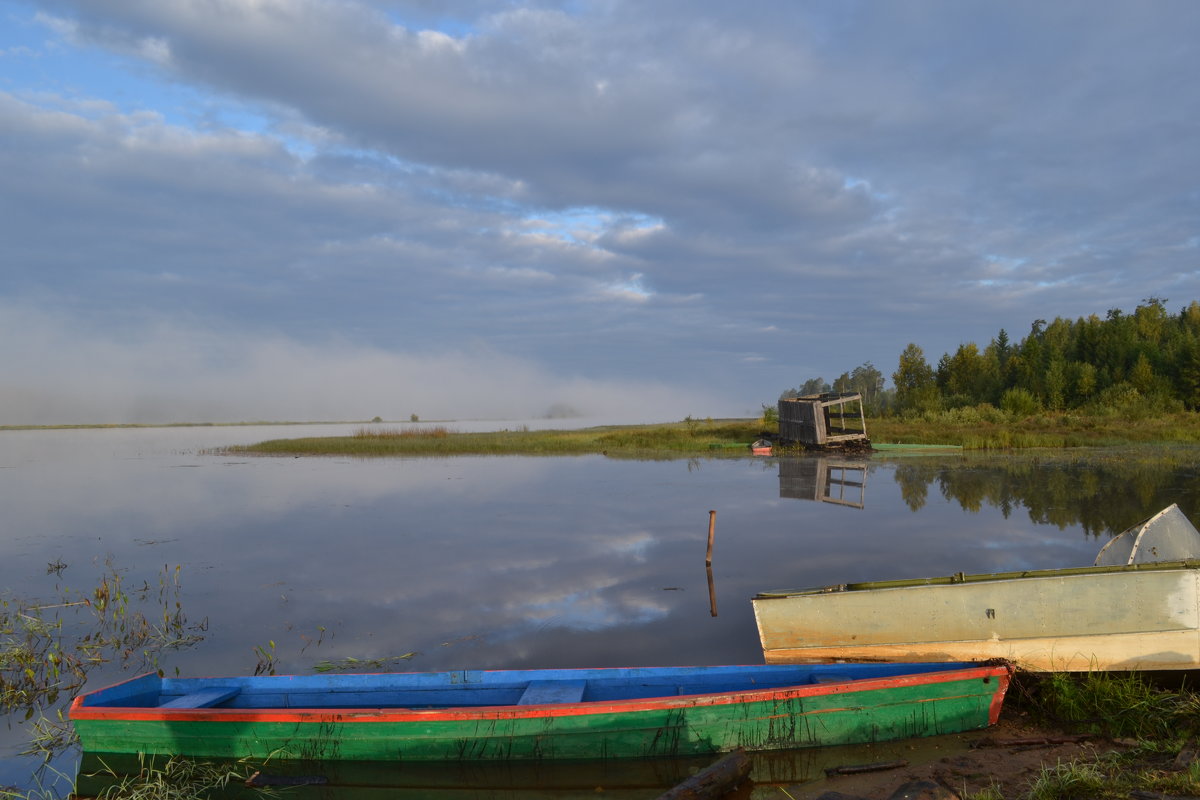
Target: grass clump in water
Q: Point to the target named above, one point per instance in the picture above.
(176, 778)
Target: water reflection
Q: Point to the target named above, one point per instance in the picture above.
(828, 479)
(635, 779)
(1095, 492)
(477, 562)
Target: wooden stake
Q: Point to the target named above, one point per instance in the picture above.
(712, 591)
(712, 526)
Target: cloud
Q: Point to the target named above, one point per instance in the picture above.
(599, 190)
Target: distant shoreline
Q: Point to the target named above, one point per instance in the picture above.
(106, 425)
(256, 423)
(972, 429)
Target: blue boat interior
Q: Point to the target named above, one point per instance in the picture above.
(474, 688)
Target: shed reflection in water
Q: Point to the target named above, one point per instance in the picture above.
(829, 479)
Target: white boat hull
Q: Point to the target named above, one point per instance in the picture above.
(1145, 617)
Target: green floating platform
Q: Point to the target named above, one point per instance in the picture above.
(916, 449)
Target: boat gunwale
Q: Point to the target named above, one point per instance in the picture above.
(79, 711)
(984, 577)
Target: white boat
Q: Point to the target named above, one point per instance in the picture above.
(1136, 608)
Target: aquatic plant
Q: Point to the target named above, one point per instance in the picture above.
(350, 663)
(266, 659)
(47, 650)
(176, 778)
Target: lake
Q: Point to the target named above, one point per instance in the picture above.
(294, 564)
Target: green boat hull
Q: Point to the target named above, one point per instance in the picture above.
(681, 726)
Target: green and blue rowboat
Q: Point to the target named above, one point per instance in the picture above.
(538, 714)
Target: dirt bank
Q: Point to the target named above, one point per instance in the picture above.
(1008, 756)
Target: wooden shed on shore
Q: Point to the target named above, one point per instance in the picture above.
(832, 419)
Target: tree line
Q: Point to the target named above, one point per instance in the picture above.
(1147, 361)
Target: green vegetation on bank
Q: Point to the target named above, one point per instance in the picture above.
(987, 428)
(1145, 736)
(680, 439)
(976, 428)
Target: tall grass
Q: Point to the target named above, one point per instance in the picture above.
(1119, 704)
(435, 432)
(987, 428)
(1075, 780)
(1157, 720)
(687, 438)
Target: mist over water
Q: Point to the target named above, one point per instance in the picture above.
(158, 371)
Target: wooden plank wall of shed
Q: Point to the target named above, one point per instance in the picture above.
(802, 420)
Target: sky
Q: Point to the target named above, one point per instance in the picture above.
(228, 210)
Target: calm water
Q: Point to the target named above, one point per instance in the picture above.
(500, 562)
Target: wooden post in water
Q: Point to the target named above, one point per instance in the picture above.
(712, 526)
(712, 591)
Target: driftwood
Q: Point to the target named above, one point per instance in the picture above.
(712, 781)
(1033, 741)
(858, 769)
(1142, 794)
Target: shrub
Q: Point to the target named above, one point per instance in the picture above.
(1020, 402)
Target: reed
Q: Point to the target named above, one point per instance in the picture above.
(47, 649)
(176, 778)
(435, 432)
(686, 438)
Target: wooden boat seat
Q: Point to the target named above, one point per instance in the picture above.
(204, 698)
(539, 692)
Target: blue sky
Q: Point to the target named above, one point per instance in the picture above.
(320, 209)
